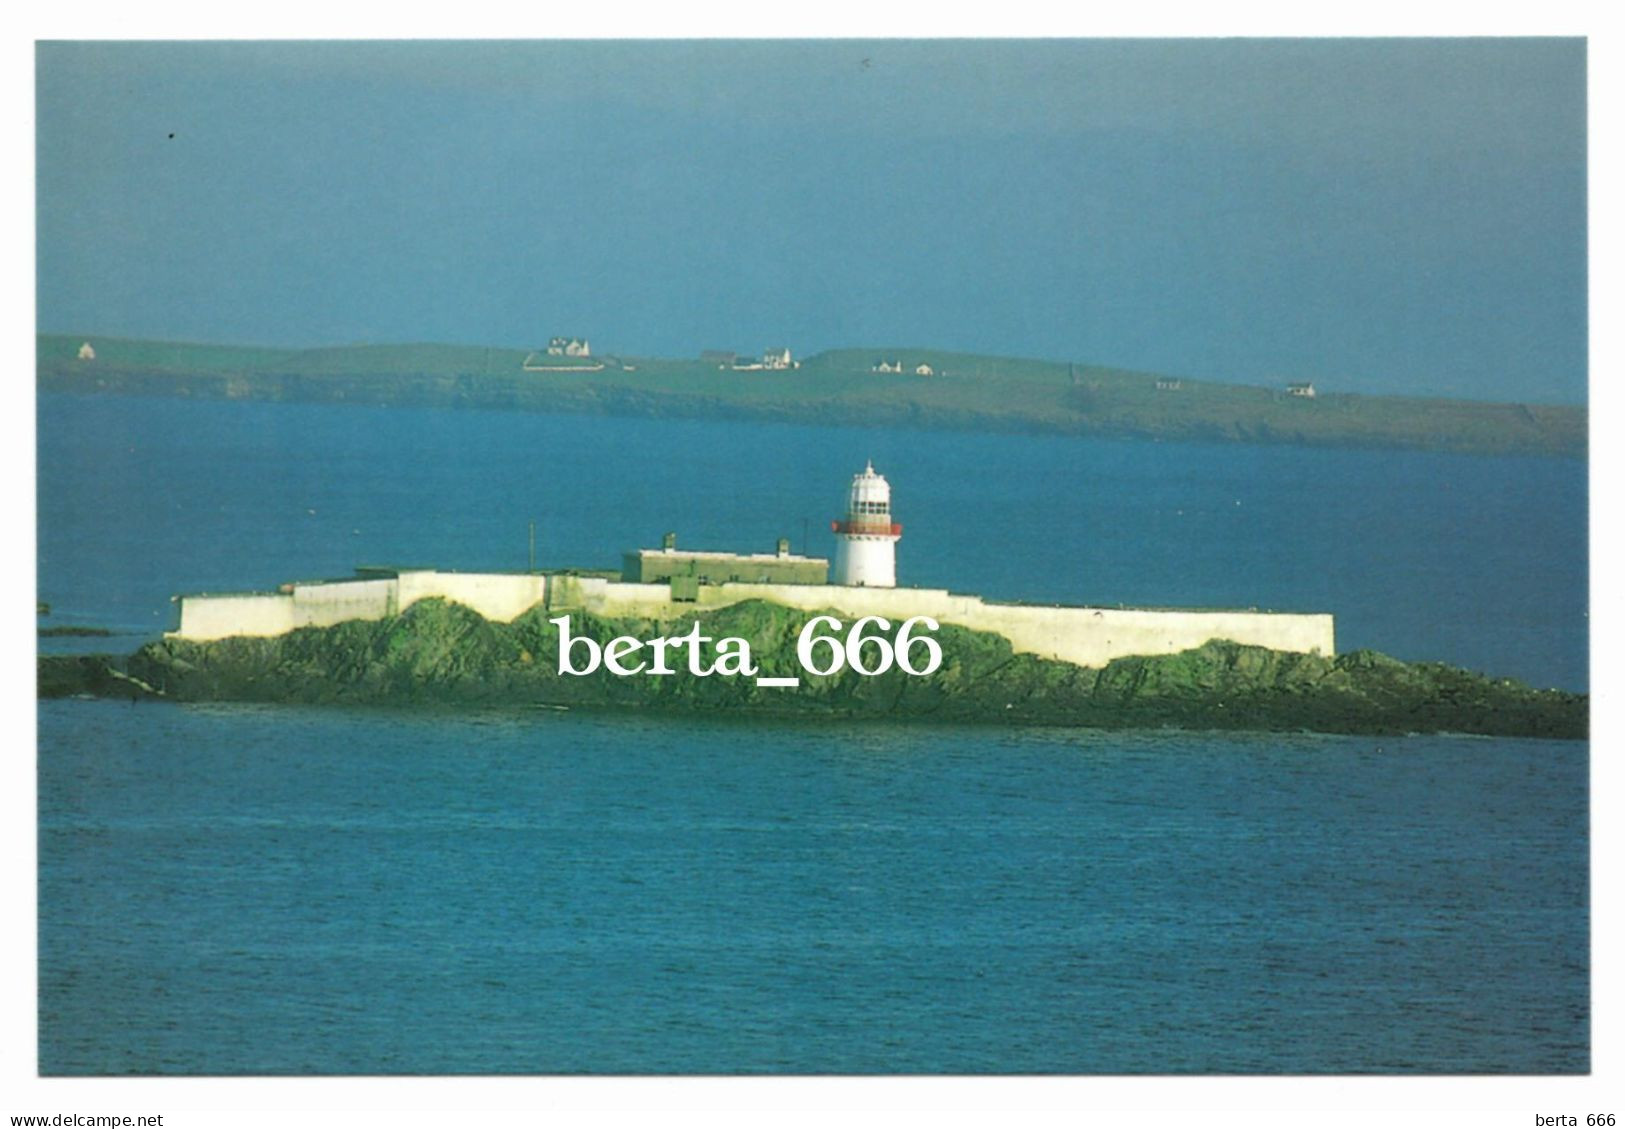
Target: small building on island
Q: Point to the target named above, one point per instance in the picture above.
(685, 569)
(1302, 389)
(569, 347)
(86, 353)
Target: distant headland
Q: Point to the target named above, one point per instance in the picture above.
(886, 386)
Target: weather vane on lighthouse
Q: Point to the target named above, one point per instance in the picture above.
(866, 542)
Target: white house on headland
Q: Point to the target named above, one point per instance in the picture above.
(1304, 389)
(569, 347)
(86, 353)
(923, 369)
(777, 358)
(883, 365)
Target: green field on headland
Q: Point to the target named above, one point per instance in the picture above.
(965, 391)
(442, 654)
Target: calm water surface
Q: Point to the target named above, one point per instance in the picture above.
(231, 889)
(250, 889)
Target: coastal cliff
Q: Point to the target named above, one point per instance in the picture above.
(442, 654)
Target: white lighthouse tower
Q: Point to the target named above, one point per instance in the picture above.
(866, 542)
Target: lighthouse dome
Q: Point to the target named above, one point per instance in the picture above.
(871, 493)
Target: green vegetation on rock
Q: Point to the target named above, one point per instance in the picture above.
(439, 653)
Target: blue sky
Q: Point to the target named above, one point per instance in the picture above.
(1400, 216)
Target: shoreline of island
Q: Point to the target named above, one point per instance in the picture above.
(439, 654)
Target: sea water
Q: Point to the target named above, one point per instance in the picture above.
(230, 889)
(244, 889)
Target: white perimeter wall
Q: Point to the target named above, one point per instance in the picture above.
(499, 596)
(496, 596)
(1084, 636)
(322, 605)
(216, 617)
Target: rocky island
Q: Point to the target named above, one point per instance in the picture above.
(439, 653)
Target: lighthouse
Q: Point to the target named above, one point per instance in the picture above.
(866, 542)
